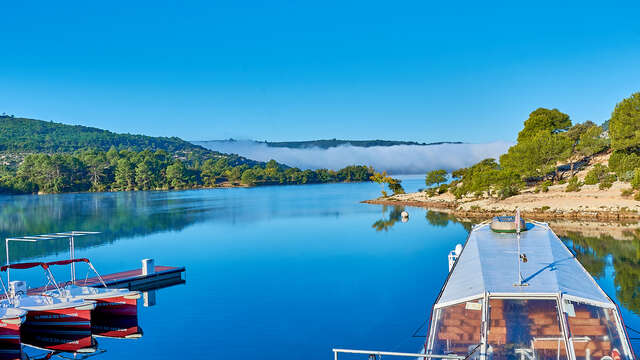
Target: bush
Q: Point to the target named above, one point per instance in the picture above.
(637, 197)
(545, 208)
(431, 192)
(443, 188)
(573, 185)
(598, 173)
(605, 184)
(635, 180)
(544, 186)
(508, 191)
(591, 178)
(626, 192)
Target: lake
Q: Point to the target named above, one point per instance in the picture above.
(281, 272)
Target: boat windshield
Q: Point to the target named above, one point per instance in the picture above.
(595, 333)
(457, 328)
(525, 329)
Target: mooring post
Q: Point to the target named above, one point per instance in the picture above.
(148, 267)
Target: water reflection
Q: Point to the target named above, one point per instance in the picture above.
(388, 220)
(52, 343)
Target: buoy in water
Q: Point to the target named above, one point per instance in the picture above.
(405, 215)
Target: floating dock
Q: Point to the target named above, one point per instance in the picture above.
(138, 280)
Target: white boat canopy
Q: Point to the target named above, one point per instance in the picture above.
(489, 264)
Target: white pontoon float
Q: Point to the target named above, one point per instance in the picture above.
(520, 294)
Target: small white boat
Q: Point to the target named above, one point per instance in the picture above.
(112, 302)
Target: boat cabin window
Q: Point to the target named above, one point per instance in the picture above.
(457, 328)
(594, 332)
(524, 329)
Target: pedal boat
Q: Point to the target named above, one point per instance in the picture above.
(11, 320)
(109, 302)
(46, 313)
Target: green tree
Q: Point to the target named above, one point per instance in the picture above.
(537, 156)
(436, 177)
(177, 175)
(144, 176)
(591, 142)
(125, 175)
(249, 177)
(624, 127)
(541, 119)
(97, 165)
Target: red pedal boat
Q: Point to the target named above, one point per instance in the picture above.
(47, 313)
(112, 302)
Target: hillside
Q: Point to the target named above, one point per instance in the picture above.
(46, 157)
(23, 136)
(557, 168)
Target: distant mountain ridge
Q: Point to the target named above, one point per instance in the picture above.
(329, 143)
(24, 135)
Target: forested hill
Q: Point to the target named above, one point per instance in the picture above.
(22, 135)
(46, 157)
(325, 144)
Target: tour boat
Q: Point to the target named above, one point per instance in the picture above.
(113, 302)
(45, 312)
(522, 294)
(515, 291)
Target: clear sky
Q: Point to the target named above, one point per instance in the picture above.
(423, 70)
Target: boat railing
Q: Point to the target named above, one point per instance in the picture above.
(371, 353)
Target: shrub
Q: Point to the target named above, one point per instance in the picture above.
(544, 186)
(627, 176)
(591, 178)
(626, 192)
(605, 184)
(598, 173)
(508, 191)
(637, 197)
(635, 180)
(443, 188)
(545, 208)
(431, 192)
(573, 185)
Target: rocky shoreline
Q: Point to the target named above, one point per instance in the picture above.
(590, 204)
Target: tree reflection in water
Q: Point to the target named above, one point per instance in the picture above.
(387, 223)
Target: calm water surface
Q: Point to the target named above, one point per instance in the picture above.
(276, 272)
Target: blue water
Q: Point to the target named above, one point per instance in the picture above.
(283, 272)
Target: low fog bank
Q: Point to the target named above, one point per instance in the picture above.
(398, 159)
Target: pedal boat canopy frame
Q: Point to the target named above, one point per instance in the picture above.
(497, 304)
(71, 235)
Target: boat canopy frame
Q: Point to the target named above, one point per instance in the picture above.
(71, 235)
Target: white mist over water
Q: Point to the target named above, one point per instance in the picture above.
(398, 159)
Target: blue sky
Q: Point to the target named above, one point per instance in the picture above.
(425, 71)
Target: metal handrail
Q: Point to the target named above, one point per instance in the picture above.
(390, 353)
